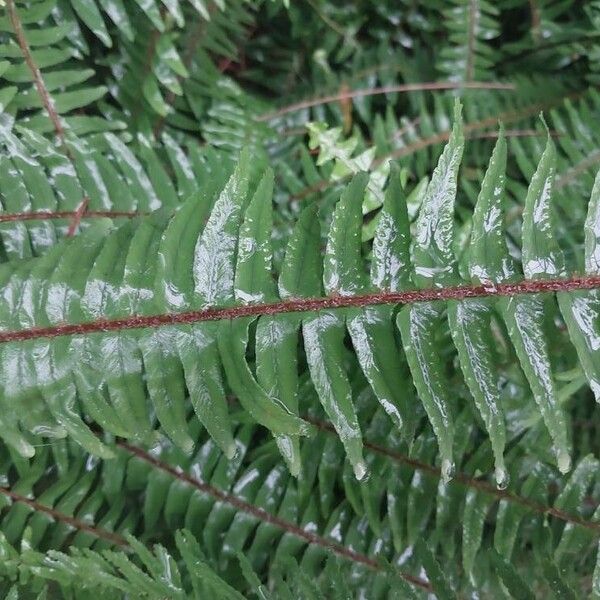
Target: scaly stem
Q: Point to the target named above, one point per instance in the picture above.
(459, 292)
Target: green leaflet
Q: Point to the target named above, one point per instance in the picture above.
(254, 283)
(323, 336)
(161, 365)
(343, 274)
(514, 583)
(270, 412)
(90, 15)
(596, 576)
(196, 344)
(369, 328)
(439, 582)
(510, 515)
(420, 495)
(277, 373)
(25, 188)
(135, 176)
(199, 355)
(470, 326)
(488, 257)
(560, 588)
(417, 326)
(60, 304)
(62, 172)
(524, 318)
(302, 270)
(592, 230)
(115, 9)
(573, 539)
(323, 342)
(268, 497)
(391, 265)
(343, 270)
(470, 320)
(435, 264)
(476, 508)
(541, 258)
(373, 340)
(253, 278)
(579, 309)
(214, 259)
(15, 238)
(97, 352)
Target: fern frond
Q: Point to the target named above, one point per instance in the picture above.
(225, 269)
(471, 24)
(44, 69)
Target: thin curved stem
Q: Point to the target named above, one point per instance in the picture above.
(72, 215)
(263, 515)
(407, 87)
(38, 80)
(115, 538)
(466, 481)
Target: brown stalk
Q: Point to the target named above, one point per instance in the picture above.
(574, 172)
(439, 138)
(263, 515)
(460, 292)
(115, 538)
(536, 21)
(465, 480)
(38, 80)
(66, 214)
(408, 87)
(76, 220)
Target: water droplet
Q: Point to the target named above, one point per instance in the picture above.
(187, 446)
(360, 470)
(564, 462)
(231, 451)
(26, 450)
(502, 478)
(448, 470)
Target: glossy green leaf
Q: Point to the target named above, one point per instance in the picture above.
(391, 264)
(470, 326)
(524, 318)
(302, 270)
(488, 255)
(514, 583)
(269, 411)
(433, 245)
(542, 256)
(440, 584)
(343, 271)
(90, 15)
(324, 344)
(580, 307)
(214, 260)
(476, 507)
(253, 278)
(417, 327)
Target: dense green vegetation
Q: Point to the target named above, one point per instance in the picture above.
(299, 299)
